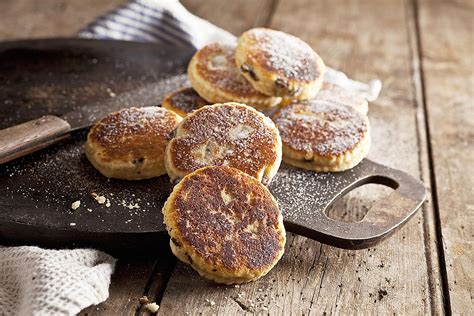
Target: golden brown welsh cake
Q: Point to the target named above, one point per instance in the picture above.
(321, 135)
(130, 144)
(215, 76)
(183, 101)
(279, 64)
(228, 134)
(225, 224)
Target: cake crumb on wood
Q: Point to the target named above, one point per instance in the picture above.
(143, 300)
(152, 307)
(210, 302)
(76, 205)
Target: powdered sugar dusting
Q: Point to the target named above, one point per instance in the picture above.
(147, 128)
(303, 195)
(321, 127)
(231, 134)
(291, 57)
(41, 189)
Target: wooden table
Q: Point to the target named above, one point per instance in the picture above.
(422, 123)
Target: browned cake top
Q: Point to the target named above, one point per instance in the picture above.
(332, 92)
(283, 54)
(216, 65)
(133, 133)
(325, 128)
(225, 135)
(186, 100)
(228, 218)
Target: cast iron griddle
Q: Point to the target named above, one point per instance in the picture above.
(56, 76)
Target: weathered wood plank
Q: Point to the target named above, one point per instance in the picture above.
(130, 282)
(48, 18)
(235, 16)
(430, 230)
(447, 51)
(366, 40)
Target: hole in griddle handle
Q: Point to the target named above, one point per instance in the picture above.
(361, 196)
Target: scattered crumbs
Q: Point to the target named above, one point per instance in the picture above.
(237, 286)
(72, 224)
(143, 300)
(99, 198)
(89, 210)
(152, 307)
(107, 204)
(111, 93)
(133, 206)
(210, 302)
(76, 205)
(260, 290)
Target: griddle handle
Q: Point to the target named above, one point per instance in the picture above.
(385, 217)
(26, 138)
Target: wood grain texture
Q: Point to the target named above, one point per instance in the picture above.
(28, 137)
(366, 40)
(127, 286)
(48, 18)
(447, 55)
(133, 278)
(234, 16)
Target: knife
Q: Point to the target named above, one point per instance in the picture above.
(29, 137)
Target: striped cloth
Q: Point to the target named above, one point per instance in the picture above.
(167, 22)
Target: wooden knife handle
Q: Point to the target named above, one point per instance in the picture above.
(25, 138)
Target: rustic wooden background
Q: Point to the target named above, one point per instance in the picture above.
(423, 52)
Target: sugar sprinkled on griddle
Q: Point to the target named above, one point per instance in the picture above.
(47, 180)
